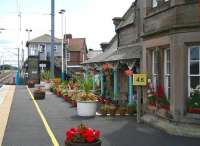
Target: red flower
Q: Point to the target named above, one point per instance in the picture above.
(82, 134)
(90, 138)
(97, 133)
(70, 135)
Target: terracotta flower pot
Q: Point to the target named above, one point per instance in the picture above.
(65, 97)
(98, 143)
(74, 103)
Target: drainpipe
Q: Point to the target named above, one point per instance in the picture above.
(115, 82)
(102, 84)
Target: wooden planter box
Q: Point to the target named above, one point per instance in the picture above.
(98, 143)
(39, 95)
(193, 110)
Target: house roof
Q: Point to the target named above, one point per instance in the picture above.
(103, 56)
(133, 52)
(46, 38)
(76, 44)
(128, 18)
(93, 53)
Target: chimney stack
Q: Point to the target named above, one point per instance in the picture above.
(116, 21)
(67, 36)
(104, 45)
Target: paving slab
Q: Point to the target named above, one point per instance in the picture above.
(182, 129)
(6, 96)
(116, 131)
(24, 127)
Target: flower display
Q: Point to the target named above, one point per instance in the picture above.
(128, 72)
(82, 134)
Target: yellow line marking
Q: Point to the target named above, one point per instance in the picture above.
(48, 129)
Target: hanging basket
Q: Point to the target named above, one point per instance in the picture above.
(105, 66)
(129, 72)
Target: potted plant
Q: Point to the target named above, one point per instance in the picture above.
(193, 102)
(121, 110)
(39, 93)
(86, 100)
(65, 94)
(31, 83)
(131, 108)
(45, 77)
(112, 109)
(82, 136)
(104, 109)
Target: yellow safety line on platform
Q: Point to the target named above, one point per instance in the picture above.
(48, 129)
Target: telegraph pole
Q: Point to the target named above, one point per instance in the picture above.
(52, 39)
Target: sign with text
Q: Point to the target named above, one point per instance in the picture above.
(140, 79)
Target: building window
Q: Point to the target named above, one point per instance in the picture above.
(55, 48)
(42, 48)
(154, 3)
(167, 72)
(193, 68)
(68, 56)
(155, 68)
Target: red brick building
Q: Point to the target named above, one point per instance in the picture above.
(75, 50)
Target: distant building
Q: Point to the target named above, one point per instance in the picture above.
(41, 47)
(75, 51)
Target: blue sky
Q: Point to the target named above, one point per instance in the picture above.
(91, 19)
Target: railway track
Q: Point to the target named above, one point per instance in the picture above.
(7, 78)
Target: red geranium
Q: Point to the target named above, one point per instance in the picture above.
(82, 134)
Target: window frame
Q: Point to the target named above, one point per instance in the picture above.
(68, 56)
(189, 63)
(40, 48)
(155, 75)
(167, 74)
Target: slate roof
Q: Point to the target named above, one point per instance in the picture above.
(127, 53)
(46, 38)
(103, 56)
(128, 18)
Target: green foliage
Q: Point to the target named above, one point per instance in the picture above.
(152, 98)
(87, 84)
(45, 75)
(194, 99)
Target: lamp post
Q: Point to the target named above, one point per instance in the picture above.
(62, 11)
(28, 31)
(52, 38)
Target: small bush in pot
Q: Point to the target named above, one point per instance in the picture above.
(82, 136)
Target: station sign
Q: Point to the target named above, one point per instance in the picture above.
(139, 79)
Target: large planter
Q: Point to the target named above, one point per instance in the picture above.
(98, 143)
(39, 95)
(31, 85)
(86, 108)
(193, 110)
